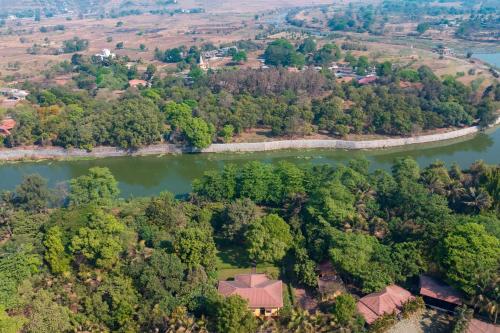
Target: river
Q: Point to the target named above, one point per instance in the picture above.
(490, 58)
(149, 175)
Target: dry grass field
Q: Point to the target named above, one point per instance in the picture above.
(223, 21)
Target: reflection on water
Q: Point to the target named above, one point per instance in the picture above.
(139, 176)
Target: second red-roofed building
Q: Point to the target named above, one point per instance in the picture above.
(388, 301)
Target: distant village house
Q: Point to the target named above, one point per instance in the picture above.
(138, 83)
(105, 54)
(6, 126)
(14, 94)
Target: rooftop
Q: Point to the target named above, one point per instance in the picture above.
(387, 301)
(478, 326)
(433, 288)
(257, 289)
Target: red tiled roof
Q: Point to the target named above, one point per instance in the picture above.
(435, 289)
(477, 326)
(387, 301)
(6, 125)
(135, 83)
(257, 289)
(367, 80)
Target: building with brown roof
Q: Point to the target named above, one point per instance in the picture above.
(264, 296)
(136, 83)
(478, 326)
(6, 126)
(438, 294)
(367, 80)
(388, 301)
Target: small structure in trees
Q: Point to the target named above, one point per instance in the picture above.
(14, 94)
(330, 285)
(438, 294)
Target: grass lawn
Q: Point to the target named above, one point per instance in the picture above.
(232, 260)
(227, 273)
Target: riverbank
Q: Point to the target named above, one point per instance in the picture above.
(46, 153)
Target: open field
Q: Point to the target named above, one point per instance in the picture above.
(223, 21)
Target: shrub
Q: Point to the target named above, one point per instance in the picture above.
(383, 323)
(412, 306)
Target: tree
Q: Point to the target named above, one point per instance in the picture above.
(268, 239)
(370, 267)
(14, 268)
(240, 57)
(327, 54)
(217, 186)
(10, 324)
(199, 133)
(99, 241)
(172, 56)
(195, 246)
(98, 187)
(75, 45)
(362, 65)
(281, 53)
(227, 132)
(384, 69)
(119, 45)
(408, 261)
(32, 195)
(304, 268)
(142, 47)
(344, 308)
(423, 27)
(45, 315)
(114, 303)
(307, 46)
(135, 122)
(161, 279)
(166, 212)
(232, 316)
(469, 254)
(150, 72)
(55, 254)
(239, 216)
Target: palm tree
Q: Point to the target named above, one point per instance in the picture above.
(488, 297)
(304, 322)
(181, 322)
(476, 199)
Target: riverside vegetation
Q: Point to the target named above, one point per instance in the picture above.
(216, 106)
(80, 258)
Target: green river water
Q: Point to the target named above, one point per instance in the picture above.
(148, 175)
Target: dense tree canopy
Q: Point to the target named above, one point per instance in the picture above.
(91, 261)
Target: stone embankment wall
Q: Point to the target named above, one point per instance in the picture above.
(36, 153)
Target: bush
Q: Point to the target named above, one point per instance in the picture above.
(383, 323)
(412, 306)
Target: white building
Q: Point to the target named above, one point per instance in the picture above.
(105, 54)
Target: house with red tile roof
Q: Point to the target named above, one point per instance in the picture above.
(6, 126)
(478, 326)
(388, 301)
(438, 294)
(264, 296)
(367, 80)
(136, 83)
